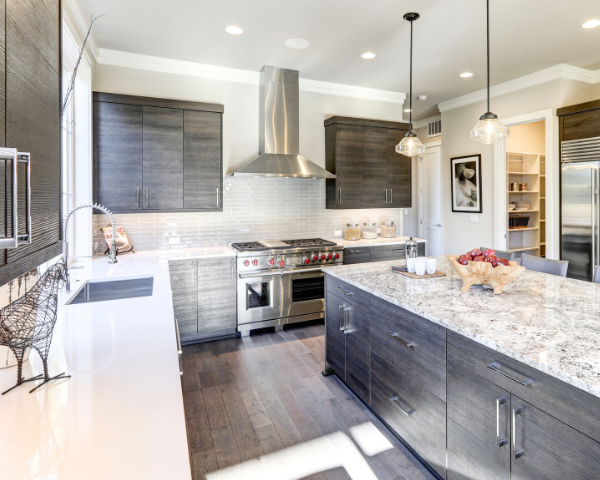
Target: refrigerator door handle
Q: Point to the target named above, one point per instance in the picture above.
(594, 236)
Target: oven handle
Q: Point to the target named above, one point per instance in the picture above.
(259, 274)
(300, 270)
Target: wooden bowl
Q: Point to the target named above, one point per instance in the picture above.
(482, 273)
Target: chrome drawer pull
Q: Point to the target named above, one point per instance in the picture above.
(516, 453)
(406, 411)
(403, 342)
(342, 323)
(138, 197)
(500, 442)
(345, 292)
(178, 338)
(498, 367)
(386, 196)
(346, 320)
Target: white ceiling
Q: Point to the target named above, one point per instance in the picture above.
(526, 36)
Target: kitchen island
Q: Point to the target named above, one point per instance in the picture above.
(479, 385)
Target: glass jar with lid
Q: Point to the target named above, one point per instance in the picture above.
(388, 230)
(369, 231)
(412, 248)
(352, 231)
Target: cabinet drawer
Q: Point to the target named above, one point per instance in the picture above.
(356, 255)
(412, 412)
(569, 404)
(349, 293)
(410, 344)
(386, 252)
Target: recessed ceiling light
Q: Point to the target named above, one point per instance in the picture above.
(234, 30)
(591, 24)
(407, 110)
(368, 56)
(466, 75)
(422, 97)
(297, 43)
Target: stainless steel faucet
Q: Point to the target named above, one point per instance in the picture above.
(112, 258)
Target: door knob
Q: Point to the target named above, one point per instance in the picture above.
(438, 225)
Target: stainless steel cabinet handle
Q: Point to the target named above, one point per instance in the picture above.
(138, 196)
(511, 374)
(500, 442)
(180, 366)
(26, 159)
(341, 309)
(232, 269)
(147, 196)
(516, 453)
(408, 411)
(340, 195)
(179, 350)
(10, 154)
(346, 319)
(218, 199)
(386, 195)
(401, 341)
(345, 292)
(391, 196)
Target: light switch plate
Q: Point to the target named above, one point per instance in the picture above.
(405, 211)
(337, 233)
(474, 218)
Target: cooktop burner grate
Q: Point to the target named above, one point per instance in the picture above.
(309, 242)
(249, 246)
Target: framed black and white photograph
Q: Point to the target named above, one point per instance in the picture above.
(466, 184)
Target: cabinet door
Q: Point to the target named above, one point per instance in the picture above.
(118, 156)
(544, 447)
(335, 348)
(375, 181)
(398, 173)
(358, 365)
(349, 166)
(184, 288)
(217, 294)
(202, 173)
(163, 158)
(356, 255)
(478, 427)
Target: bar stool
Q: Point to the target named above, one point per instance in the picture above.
(596, 278)
(545, 265)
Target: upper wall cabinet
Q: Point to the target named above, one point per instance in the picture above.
(370, 174)
(30, 104)
(157, 155)
(579, 121)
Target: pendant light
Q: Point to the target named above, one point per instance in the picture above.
(489, 129)
(410, 144)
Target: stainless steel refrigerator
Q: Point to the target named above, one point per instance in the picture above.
(580, 163)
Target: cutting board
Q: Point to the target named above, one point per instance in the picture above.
(404, 271)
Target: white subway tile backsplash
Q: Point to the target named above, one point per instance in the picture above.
(253, 209)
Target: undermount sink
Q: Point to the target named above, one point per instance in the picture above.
(102, 291)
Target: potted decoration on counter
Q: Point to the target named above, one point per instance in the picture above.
(484, 268)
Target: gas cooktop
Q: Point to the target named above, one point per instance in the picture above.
(281, 244)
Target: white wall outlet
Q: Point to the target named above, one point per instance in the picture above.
(474, 218)
(337, 233)
(405, 211)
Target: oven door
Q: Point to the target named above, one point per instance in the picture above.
(304, 292)
(259, 297)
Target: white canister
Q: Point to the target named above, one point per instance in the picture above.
(410, 264)
(431, 266)
(421, 266)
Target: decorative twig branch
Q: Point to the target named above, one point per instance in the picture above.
(72, 82)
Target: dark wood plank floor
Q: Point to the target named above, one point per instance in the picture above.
(249, 397)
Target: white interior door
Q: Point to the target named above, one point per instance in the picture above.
(430, 199)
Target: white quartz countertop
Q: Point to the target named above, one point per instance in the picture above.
(547, 322)
(379, 241)
(121, 415)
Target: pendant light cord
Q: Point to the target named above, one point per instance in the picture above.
(411, 51)
(488, 55)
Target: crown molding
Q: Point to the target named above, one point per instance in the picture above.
(553, 73)
(79, 24)
(181, 67)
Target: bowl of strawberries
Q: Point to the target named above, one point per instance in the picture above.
(478, 267)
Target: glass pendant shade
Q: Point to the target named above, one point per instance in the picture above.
(410, 145)
(489, 130)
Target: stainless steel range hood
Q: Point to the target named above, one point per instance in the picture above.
(279, 130)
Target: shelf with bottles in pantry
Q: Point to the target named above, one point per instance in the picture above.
(526, 180)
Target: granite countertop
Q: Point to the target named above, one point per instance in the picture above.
(121, 414)
(547, 322)
(400, 240)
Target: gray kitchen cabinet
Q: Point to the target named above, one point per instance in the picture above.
(378, 253)
(204, 297)
(335, 351)
(369, 172)
(157, 155)
(356, 255)
(162, 147)
(217, 297)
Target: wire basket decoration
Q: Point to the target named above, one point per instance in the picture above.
(29, 321)
(516, 222)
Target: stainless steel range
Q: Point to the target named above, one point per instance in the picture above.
(280, 281)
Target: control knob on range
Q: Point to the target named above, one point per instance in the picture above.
(281, 263)
(255, 262)
(329, 257)
(336, 255)
(306, 261)
(271, 261)
(246, 263)
(322, 257)
(315, 258)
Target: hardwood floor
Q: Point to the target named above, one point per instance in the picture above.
(251, 397)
